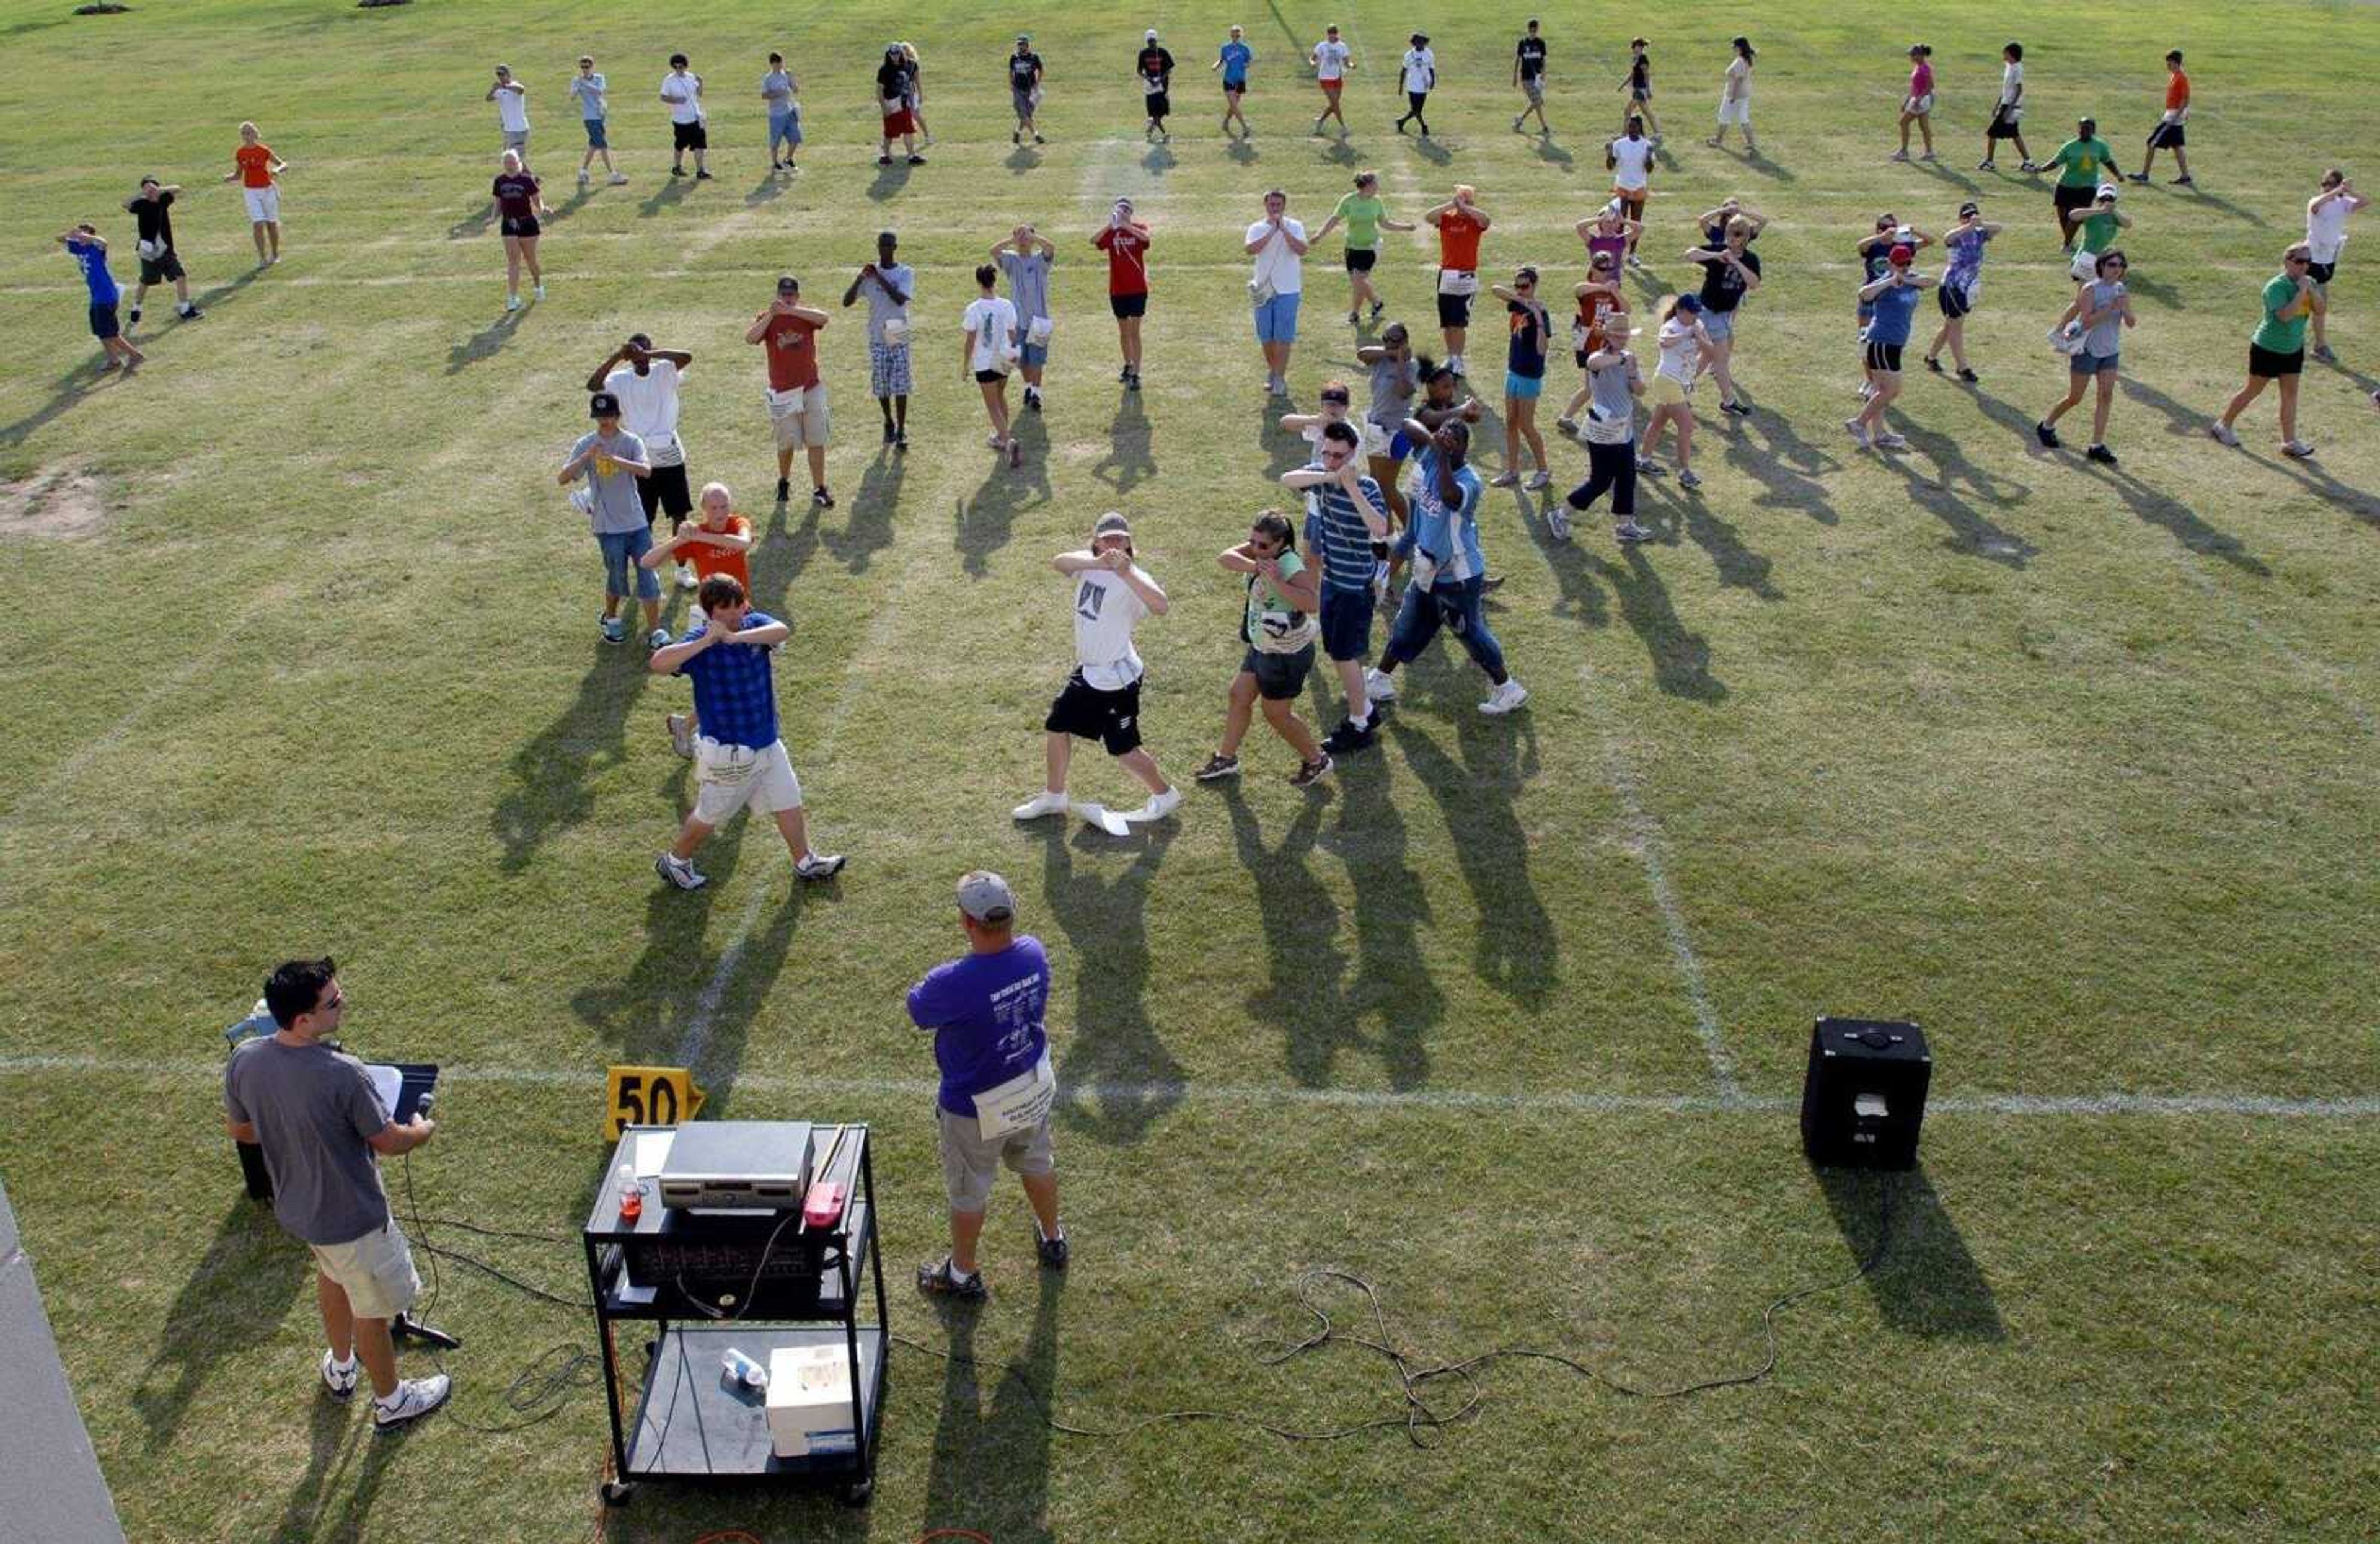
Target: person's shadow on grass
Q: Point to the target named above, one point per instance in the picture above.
(1130, 459)
(1681, 657)
(485, 344)
(867, 529)
(1391, 979)
(549, 775)
(1516, 949)
(780, 550)
(673, 190)
(1766, 449)
(889, 180)
(235, 1300)
(476, 222)
(982, 523)
(989, 1468)
(337, 1442)
(1116, 1080)
(1972, 533)
(1285, 451)
(645, 1012)
(1303, 995)
(64, 393)
(2153, 506)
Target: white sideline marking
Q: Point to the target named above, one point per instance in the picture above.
(2350, 1108)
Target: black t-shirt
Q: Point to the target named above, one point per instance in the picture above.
(892, 80)
(1640, 74)
(1155, 65)
(1722, 286)
(1531, 55)
(1525, 356)
(1022, 68)
(516, 195)
(155, 218)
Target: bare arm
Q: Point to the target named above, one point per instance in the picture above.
(394, 1139)
(1140, 584)
(760, 328)
(666, 660)
(1075, 562)
(1387, 224)
(603, 371)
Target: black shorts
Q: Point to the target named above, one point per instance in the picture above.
(522, 225)
(1159, 105)
(1454, 310)
(1112, 718)
(2320, 273)
(104, 324)
(164, 268)
(1347, 622)
(1416, 100)
(1235, 88)
(2002, 126)
(1360, 259)
(1884, 356)
(1955, 302)
(2272, 365)
(689, 136)
(2067, 199)
(1129, 305)
(665, 489)
(1280, 677)
(986, 377)
(2166, 136)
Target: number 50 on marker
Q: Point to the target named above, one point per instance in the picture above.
(648, 1095)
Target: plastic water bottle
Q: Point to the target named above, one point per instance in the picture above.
(632, 1194)
(744, 1369)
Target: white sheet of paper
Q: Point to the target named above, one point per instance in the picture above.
(386, 1082)
(1105, 819)
(653, 1151)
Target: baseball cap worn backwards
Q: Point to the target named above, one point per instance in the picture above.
(985, 897)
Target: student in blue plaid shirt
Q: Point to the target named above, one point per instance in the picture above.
(739, 758)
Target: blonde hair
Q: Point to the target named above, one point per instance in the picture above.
(909, 52)
(1464, 192)
(513, 162)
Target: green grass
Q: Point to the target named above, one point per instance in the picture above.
(2073, 767)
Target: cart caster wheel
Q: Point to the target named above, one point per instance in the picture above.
(859, 1494)
(617, 1494)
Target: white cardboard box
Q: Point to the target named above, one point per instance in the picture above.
(809, 1401)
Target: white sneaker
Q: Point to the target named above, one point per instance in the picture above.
(681, 733)
(342, 1383)
(415, 1398)
(1539, 481)
(678, 871)
(1379, 688)
(658, 638)
(685, 576)
(1040, 804)
(512, 302)
(538, 290)
(619, 179)
(583, 178)
(1859, 431)
(1506, 698)
(1157, 808)
(2222, 433)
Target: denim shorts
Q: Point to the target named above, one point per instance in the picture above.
(1524, 388)
(1276, 319)
(595, 140)
(785, 126)
(1034, 355)
(1720, 325)
(621, 550)
(2095, 364)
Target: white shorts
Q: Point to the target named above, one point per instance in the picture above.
(808, 427)
(264, 205)
(1738, 111)
(2084, 266)
(767, 787)
(375, 1271)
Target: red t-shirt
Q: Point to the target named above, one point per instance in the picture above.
(792, 342)
(255, 163)
(1590, 307)
(709, 560)
(1127, 251)
(2177, 91)
(1458, 241)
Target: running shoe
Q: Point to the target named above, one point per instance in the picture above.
(820, 866)
(1218, 766)
(1628, 534)
(679, 872)
(942, 1279)
(2047, 435)
(2221, 433)
(415, 1398)
(1308, 774)
(1504, 698)
(2297, 450)
(2102, 454)
(1557, 521)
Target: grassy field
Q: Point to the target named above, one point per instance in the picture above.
(2072, 764)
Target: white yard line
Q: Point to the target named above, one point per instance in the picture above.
(1252, 1096)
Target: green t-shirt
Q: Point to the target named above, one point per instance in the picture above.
(2099, 232)
(1363, 217)
(1272, 621)
(2081, 161)
(2274, 333)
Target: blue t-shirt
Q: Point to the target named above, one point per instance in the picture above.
(1893, 309)
(985, 1012)
(1448, 533)
(1236, 57)
(92, 259)
(1336, 533)
(735, 697)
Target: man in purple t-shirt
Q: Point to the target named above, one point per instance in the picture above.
(985, 1012)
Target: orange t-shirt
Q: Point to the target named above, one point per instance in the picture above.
(2177, 91)
(709, 560)
(255, 166)
(1458, 241)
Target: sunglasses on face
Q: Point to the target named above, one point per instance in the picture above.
(1337, 397)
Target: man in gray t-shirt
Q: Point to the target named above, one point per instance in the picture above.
(611, 460)
(1025, 256)
(886, 284)
(313, 1110)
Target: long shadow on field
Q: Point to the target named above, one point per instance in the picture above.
(1766, 449)
(68, 390)
(1117, 1080)
(485, 344)
(1393, 981)
(1284, 450)
(867, 529)
(1927, 1284)
(2180, 422)
(2153, 506)
(2220, 206)
(1243, 151)
(549, 775)
(208, 300)
(1681, 657)
(647, 1010)
(770, 187)
(1130, 458)
(1516, 951)
(780, 553)
(889, 180)
(749, 967)
(236, 1298)
(985, 522)
(337, 1441)
(1972, 534)
(1550, 149)
(673, 190)
(2310, 475)
(475, 224)
(570, 206)
(1760, 166)
(1738, 567)
(990, 1472)
(1942, 170)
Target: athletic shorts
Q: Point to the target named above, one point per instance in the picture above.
(1884, 357)
(971, 1161)
(1667, 390)
(1720, 324)
(1640, 94)
(517, 139)
(1112, 718)
(2067, 199)
(768, 788)
(2094, 364)
(2166, 136)
(2084, 268)
(1954, 300)
(1534, 88)
(1360, 259)
(1454, 310)
(1632, 201)
(899, 122)
(1022, 103)
(785, 127)
(375, 1271)
(664, 490)
(1524, 388)
(595, 136)
(808, 427)
(1276, 319)
(1129, 305)
(1280, 677)
(2320, 273)
(1331, 88)
(161, 269)
(2004, 124)
(522, 225)
(1347, 622)
(689, 136)
(888, 370)
(104, 324)
(1160, 103)
(2272, 365)
(1235, 88)
(1921, 105)
(986, 377)
(264, 205)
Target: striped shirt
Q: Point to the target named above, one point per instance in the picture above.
(1336, 533)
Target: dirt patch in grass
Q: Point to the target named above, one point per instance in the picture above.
(55, 503)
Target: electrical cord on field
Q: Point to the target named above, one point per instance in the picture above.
(1419, 1417)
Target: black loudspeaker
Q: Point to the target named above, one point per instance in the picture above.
(1864, 1097)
